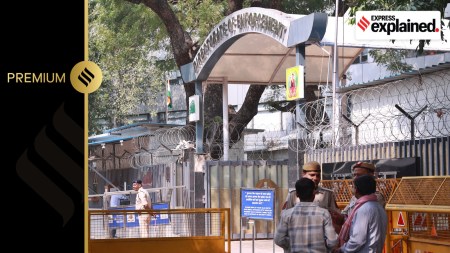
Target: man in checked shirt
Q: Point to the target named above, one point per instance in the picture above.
(306, 227)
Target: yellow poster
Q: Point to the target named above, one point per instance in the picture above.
(295, 83)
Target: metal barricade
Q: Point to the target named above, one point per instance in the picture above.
(342, 189)
(419, 215)
(165, 230)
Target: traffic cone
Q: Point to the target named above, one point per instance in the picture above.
(433, 230)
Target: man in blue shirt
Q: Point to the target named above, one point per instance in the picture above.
(115, 202)
(358, 169)
(366, 226)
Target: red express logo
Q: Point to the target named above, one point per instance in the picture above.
(398, 25)
(363, 23)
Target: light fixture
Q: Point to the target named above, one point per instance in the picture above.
(103, 145)
(121, 142)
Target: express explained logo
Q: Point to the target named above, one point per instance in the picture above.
(398, 25)
(363, 23)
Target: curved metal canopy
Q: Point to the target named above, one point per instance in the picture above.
(258, 59)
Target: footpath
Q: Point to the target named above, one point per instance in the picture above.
(257, 246)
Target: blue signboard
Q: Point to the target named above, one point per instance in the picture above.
(160, 218)
(117, 220)
(258, 203)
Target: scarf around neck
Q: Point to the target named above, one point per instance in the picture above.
(344, 235)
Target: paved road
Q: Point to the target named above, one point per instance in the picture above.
(258, 246)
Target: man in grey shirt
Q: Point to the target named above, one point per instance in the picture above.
(366, 226)
(358, 169)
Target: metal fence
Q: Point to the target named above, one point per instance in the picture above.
(434, 154)
(415, 109)
(421, 207)
(224, 179)
(343, 189)
(175, 197)
(163, 223)
(168, 230)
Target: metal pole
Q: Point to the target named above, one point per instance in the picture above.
(411, 118)
(335, 75)
(226, 135)
(253, 241)
(299, 60)
(252, 222)
(273, 229)
(199, 123)
(240, 238)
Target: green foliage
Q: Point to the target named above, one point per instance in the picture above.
(217, 119)
(130, 77)
(392, 59)
(199, 17)
(303, 7)
(306, 7)
(130, 44)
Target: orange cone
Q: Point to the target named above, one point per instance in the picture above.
(433, 230)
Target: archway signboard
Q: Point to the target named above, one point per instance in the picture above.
(266, 37)
(250, 46)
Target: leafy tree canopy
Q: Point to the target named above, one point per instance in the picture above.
(131, 46)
